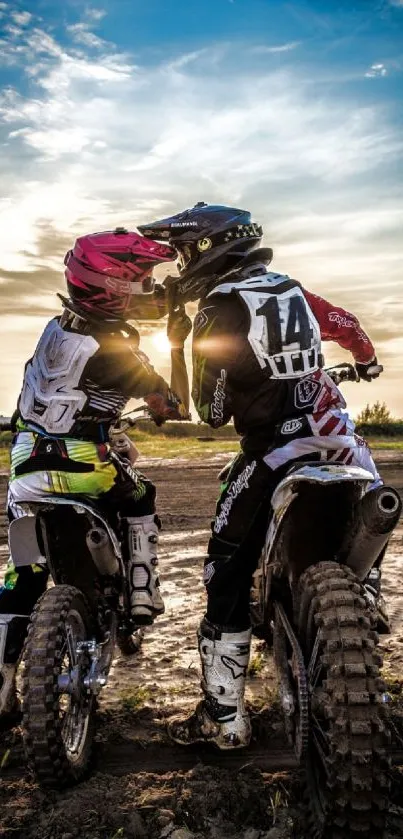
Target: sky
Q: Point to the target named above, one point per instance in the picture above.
(119, 111)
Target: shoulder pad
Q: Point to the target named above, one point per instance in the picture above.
(268, 279)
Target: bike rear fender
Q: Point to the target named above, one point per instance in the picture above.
(325, 474)
(287, 490)
(23, 542)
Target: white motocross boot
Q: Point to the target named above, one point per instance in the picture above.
(8, 690)
(10, 642)
(146, 602)
(220, 718)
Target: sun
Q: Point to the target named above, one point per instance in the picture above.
(161, 343)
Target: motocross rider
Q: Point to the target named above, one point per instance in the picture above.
(85, 368)
(257, 359)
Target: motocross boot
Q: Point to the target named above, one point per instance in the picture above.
(8, 693)
(146, 602)
(220, 718)
(12, 633)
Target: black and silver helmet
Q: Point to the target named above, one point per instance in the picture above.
(209, 240)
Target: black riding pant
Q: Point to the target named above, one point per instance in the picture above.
(238, 534)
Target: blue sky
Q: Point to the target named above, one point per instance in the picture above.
(117, 111)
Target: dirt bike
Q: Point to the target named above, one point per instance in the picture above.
(75, 626)
(328, 528)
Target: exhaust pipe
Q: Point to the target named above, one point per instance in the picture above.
(101, 550)
(376, 515)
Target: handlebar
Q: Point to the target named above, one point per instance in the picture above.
(128, 421)
(347, 372)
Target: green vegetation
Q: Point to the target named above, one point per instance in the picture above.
(190, 448)
(376, 414)
(392, 444)
(134, 699)
(163, 446)
(279, 799)
(4, 759)
(197, 440)
(376, 421)
(185, 429)
(256, 665)
(394, 430)
(4, 458)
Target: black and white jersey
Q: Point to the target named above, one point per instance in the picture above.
(283, 332)
(255, 340)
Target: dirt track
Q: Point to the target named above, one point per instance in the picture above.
(145, 787)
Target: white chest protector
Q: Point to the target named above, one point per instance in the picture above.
(284, 333)
(50, 397)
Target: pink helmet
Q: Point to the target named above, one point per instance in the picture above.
(106, 272)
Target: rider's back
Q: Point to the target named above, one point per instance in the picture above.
(80, 378)
(258, 347)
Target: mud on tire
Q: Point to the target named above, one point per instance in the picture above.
(347, 768)
(47, 713)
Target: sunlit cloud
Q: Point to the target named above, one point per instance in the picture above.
(99, 138)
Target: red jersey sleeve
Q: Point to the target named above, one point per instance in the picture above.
(338, 325)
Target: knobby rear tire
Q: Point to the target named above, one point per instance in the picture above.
(44, 656)
(348, 800)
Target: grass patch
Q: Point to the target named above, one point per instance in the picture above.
(174, 690)
(167, 446)
(4, 458)
(134, 699)
(279, 800)
(189, 448)
(376, 443)
(151, 445)
(256, 665)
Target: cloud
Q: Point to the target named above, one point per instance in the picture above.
(98, 140)
(376, 70)
(81, 33)
(188, 58)
(94, 14)
(21, 18)
(33, 288)
(291, 45)
(101, 137)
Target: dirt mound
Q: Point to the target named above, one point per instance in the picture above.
(206, 802)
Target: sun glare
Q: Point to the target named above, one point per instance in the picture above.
(161, 342)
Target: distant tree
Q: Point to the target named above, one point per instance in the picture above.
(376, 414)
